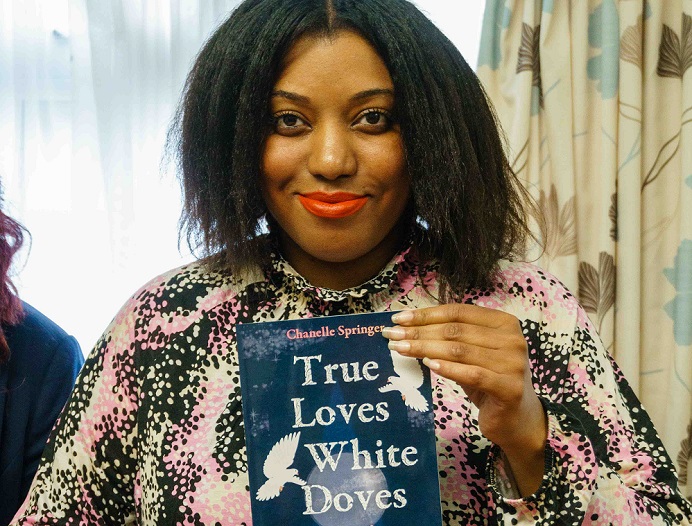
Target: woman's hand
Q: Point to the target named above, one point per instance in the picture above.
(484, 351)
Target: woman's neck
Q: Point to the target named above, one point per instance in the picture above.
(341, 275)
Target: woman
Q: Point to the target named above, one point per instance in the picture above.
(363, 138)
(38, 366)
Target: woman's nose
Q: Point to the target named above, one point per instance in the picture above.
(331, 152)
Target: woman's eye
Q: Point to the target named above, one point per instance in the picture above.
(373, 117)
(288, 121)
(375, 120)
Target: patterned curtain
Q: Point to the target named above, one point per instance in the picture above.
(595, 97)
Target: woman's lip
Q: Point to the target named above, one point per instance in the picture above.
(332, 197)
(333, 205)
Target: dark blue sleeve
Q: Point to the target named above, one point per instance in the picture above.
(52, 391)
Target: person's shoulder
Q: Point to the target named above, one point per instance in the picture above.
(165, 307)
(36, 323)
(528, 291)
(191, 288)
(187, 281)
(526, 277)
(42, 337)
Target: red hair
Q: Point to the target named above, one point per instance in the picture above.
(11, 239)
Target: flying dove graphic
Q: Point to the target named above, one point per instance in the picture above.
(408, 380)
(276, 467)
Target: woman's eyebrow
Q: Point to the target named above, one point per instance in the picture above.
(372, 93)
(290, 96)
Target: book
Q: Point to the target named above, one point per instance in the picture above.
(339, 429)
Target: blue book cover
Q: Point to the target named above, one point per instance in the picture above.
(339, 430)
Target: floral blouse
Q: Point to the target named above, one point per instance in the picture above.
(153, 432)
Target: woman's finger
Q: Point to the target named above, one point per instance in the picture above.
(455, 312)
(460, 352)
(479, 335)
(505, 389)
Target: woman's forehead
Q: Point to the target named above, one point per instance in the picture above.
(344, 58)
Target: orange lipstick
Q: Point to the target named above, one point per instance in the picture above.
(332, 205)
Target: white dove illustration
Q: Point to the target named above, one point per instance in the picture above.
(408, 381)
(276, 467)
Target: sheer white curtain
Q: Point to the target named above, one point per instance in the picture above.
(87, 90)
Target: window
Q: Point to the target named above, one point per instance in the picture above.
(87, 90)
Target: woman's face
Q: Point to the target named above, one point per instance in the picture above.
(333, 166)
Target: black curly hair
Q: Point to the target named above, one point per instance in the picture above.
(463, 189)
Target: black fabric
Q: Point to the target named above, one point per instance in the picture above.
(34, 386)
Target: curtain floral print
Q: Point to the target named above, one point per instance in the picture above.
(595, 97)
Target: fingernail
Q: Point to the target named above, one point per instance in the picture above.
(402, 317)
(432, 364)
(399, 346)
(394, 333)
